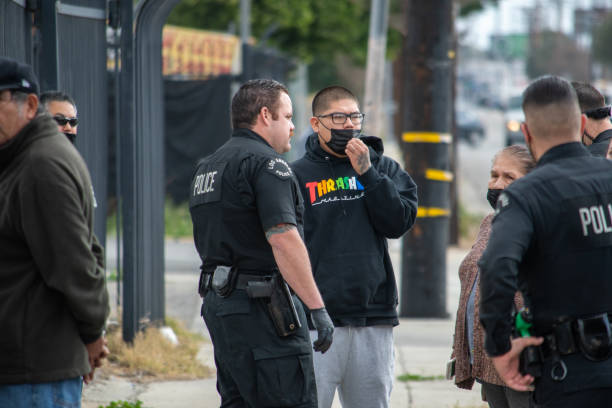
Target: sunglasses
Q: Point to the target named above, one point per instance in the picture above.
(61, 120)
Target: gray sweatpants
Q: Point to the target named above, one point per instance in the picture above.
(359, 364)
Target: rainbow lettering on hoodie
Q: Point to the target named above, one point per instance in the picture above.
(319, 189)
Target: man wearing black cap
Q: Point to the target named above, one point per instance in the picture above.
(598, 128)
(53, 297)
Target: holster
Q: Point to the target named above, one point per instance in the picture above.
(531, 361)
(595, 337)
(282, 309)
(278, 300)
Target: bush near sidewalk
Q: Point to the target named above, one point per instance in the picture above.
(152, 357)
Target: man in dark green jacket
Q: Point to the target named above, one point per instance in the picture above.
(53, 297)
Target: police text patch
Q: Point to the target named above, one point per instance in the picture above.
(591, 219)
(206, 185)
(279, 168)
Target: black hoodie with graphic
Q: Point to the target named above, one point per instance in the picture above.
(347, 221)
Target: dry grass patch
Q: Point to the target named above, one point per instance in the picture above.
(152, 357)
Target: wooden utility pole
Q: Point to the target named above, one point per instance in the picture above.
(426, 104)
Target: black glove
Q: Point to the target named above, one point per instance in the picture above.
(325, 329)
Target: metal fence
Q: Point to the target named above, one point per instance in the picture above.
(65, 42)
(81, 61)
(14, 28)
(74, 31)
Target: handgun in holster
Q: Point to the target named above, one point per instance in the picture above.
(279, 302)
(531, 357)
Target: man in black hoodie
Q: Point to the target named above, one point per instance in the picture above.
(598, 128)
(355, 198)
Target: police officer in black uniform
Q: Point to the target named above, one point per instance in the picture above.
(247, 218)
(597, 133)
(552, 236)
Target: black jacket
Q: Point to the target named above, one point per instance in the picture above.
(53, 297)
(552, 236)
(347, 220)
(237, 193)
(600, 144)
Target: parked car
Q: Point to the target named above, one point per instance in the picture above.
(513, 117)
(469, 127)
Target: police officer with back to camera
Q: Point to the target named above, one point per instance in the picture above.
(598, 128)
(247, 218)
(552, 236)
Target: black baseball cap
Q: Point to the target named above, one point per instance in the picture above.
(17, 76)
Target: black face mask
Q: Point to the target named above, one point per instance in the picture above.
(585, 134)
(493, 195)
(71, 137)
(340, 138)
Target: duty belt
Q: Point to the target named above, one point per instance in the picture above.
(242, 279)
(590, 335)
(571, 335)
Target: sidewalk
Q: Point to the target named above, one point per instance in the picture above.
(422, 347)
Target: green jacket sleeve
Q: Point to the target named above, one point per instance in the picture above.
(59, 232)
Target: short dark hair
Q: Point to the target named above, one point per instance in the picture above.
(251, 97)
(548, 90)
(551, 109)
(589, 98)
(55, 96)
(326, 96)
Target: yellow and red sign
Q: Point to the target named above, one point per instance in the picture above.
(193, 53)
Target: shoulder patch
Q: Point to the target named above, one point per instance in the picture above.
(279, 168)
(502, 202)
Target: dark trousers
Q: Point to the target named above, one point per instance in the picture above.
(505, 397)
(587, 384)
(594, 398)
(256, 367)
